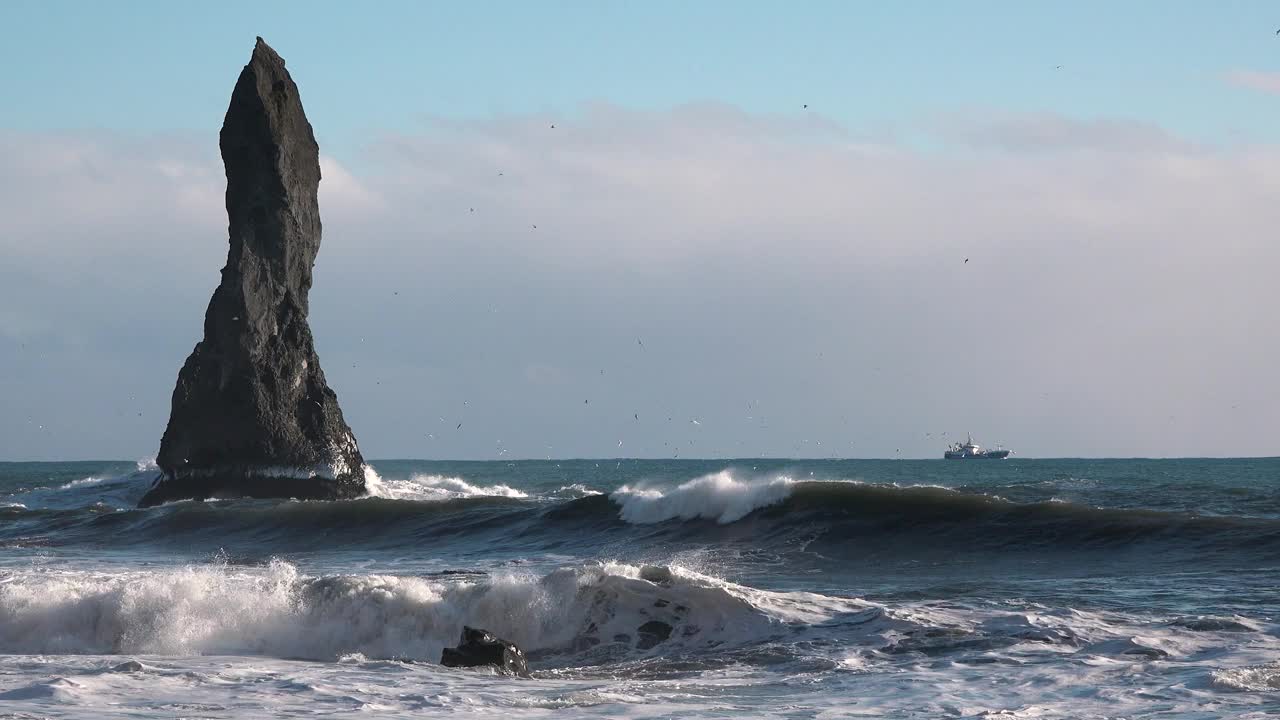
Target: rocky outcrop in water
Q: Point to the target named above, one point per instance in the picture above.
(252, 414)
(478, 648)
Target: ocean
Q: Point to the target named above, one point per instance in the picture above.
(779, 588)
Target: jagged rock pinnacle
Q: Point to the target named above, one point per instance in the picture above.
(252, 414)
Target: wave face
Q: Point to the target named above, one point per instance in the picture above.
(840, 522)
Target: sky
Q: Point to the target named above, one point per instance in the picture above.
(821, 229)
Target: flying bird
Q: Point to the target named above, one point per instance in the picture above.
(806, 107)
(459, 427)
(966, 260)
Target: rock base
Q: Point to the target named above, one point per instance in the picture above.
(233, 484)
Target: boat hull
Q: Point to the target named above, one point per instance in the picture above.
(980, 455)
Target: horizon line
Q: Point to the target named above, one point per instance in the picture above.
(718, 459)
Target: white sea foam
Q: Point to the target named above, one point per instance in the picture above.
(1259, 678)
(574, 491)
(60, 690)
(432, 488)
(81, 483)
(719, 496)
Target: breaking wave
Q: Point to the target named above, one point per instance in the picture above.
(719, 496)
(601, 618)
(279, 612)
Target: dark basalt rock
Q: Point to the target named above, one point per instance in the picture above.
(656, 574)
(252, 415)
(651, 634)
(480, 647)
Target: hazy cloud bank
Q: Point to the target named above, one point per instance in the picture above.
(792, 282)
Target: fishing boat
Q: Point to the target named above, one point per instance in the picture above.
(970, 450)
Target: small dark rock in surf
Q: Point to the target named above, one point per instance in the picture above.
(656, 574)
(478, 648)
(651, 634)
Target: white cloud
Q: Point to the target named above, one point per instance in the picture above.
(1048, 132)
(1115, 301)
(341, 192)
(1267, 82)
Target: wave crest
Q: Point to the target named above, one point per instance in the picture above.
(433, 488)
(718, 496)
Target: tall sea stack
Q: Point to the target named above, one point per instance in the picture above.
(252, 415)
